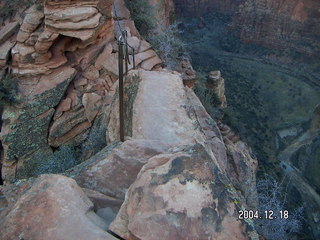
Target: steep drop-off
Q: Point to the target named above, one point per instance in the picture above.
(268, 53)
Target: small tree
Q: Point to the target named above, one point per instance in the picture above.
(271, 198)
(167, 44)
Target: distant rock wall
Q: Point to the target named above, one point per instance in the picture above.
(288, 25)
(276, 24)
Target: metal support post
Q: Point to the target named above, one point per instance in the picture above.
(121, 104)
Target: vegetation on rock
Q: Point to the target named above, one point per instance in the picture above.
(164, 39)
(8, 90)
(143, 15)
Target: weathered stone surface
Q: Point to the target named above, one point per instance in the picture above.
(84, 24)
(91, 73)
(54, 208)
(5, 51)
(67, 127)
(158, 114)
(32, 19)
(22, 36)
(143, 56)
(179, 195)
(8, 30)
(188, 74)
(144, 46)
(216, 82)
(53, 80)
(71, 14)
(105, 7)
(22, 54)
(113, 173)
(150, 63)
(92, 104)
(45, 41)
(232, 156)
(64, 106)
(127, 25)
(101, 200)
(108, 61)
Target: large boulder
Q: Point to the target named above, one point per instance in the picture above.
(112, 172)
(54, 208)
(180, 195)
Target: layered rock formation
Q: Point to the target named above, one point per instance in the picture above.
(65, 58)
(281, 24)
(276, 24)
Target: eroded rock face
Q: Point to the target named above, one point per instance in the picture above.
(61, 92)
(55, 207)
(179, 195)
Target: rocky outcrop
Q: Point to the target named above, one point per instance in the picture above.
(216, 83)
(37, 214)
(159, 116)
(179, 195)
(112, 173)
(61, 92)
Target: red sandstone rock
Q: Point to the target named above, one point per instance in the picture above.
(91, 73)
(150, 63)
(54, 208)
(67, 127)
(32, 19)
(112, 174)
(107, 61)
(51, 81)
(92, 103)
(179, 195)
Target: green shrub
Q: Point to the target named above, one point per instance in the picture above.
(61, 160)
(8, 90)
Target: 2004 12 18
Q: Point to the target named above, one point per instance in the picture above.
(268, 214)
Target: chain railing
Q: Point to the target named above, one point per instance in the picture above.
(123, 55)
